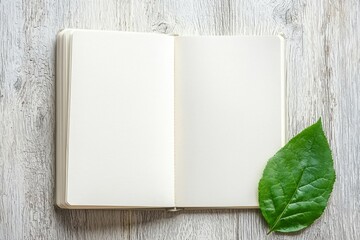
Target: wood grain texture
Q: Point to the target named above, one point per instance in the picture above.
(323, 79)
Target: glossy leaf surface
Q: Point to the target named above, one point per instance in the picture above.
(297, 181)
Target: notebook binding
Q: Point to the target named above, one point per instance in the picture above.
(175, 209)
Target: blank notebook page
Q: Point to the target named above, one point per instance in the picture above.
(228, 117)
(121, 137)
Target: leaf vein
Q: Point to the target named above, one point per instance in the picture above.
(296, 214)
(287, 205)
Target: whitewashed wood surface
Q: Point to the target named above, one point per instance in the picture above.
(323, 75)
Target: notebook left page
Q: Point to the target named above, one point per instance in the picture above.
(121, 120)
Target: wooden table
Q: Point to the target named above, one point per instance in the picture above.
(323, 76)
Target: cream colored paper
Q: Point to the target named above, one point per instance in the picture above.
(121, 135)
(228, 117)
(162, 121)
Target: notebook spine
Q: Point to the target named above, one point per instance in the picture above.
(175, 209)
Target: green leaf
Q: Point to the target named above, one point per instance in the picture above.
(297, 181)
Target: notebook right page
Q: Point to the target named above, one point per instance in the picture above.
(229, 117)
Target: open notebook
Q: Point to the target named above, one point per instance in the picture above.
(148, 120)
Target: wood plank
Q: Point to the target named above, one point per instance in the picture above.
(323, 75)
(27, 103)
(204, 224)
